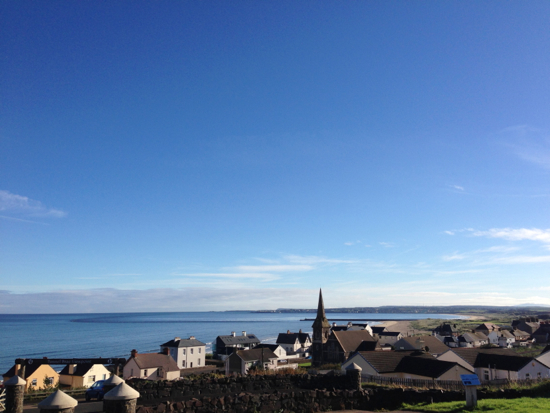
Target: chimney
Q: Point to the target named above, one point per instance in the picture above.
(288, 331)
(244, 333)
(72, 368)
(191, 337)
(233, 333)
(166, 350)
(300, 331)
(177, 339)
(17, 367)
(133, 353)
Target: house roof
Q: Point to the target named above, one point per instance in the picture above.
(387, 361)
(155, 360)
(272, 347)
(350, 340)
(423, 366)
(520, 333)
(389, 333)
(256, 354)
(469, 355)
(472, 337)
(29, 369)
(231, 340)
(417, 342)
(186, 342)
(501, 362)
(488, 327)
(378, 330)
(506, 334)
(547, 348)
(80, 369)
(368, 346)
(290, 338)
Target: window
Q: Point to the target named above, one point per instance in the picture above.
(145, 372)
(191, 351)
(183, 363)
(91, 379)
(184, 352)
(191, 364)
(199, 350)
(539, 375)
(34, 382)
(50, 380)
(527, 376)
(199, 362)
(159, 372)
(485, 375)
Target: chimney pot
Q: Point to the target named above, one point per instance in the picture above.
(166, 350)
(244, 333)
(192, 338)
(177, 339)
(233, 333)
(134, 352)
(288, 331)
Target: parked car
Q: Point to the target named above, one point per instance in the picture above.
(95, 391)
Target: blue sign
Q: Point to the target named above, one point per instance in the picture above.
(470, 379)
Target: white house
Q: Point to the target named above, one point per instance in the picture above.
(497, 363)
(405, 364)
(187, 353)
(295, 343)
(151, 366)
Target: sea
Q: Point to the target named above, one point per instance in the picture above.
(112, 335)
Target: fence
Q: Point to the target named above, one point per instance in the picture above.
(33, 395)
(415, 383)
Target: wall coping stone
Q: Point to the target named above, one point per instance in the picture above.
(121, 392)
(57, 400)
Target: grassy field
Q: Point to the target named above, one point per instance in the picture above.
(523, 405)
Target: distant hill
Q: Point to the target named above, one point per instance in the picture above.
(524, 309)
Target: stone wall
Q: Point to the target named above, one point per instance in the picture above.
(290, 393)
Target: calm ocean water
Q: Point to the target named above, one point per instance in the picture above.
(115, 335)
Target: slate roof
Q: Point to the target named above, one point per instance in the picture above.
(256, 354)
(422, 366)
(377, 329)
(417, 342)
(501, 362)
(290, 338)
(387, 361)
(350, 340)
(469, 355)
(487, 326)
(186, 342)
(29, 369)
(389, 333)
(271, 347)
(155, 360)
(506, 334)
(368, 346)
(231, 341)
(80, 370)
(521, 334)
(472, 337)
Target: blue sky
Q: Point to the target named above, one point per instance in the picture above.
(194, 156)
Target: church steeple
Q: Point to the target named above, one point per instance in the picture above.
(321, 331)
(321, 320)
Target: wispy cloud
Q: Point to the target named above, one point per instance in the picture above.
(387, 244)
(231, 275)
(533, 234)
(458, 187)
(22, 205)
(315, 260)
(273, 268)
(530, 144)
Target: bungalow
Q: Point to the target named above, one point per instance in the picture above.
(428, 343)
(405, 364)
(225, 345)
(294, 343)
(187, 353)
(83, 375)
(151, 366)
(37, 375)
(472, 340)
(241, 361)
(496, 363)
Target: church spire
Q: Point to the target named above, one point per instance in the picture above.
(321, 320)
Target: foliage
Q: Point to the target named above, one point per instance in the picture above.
(330, 366)
(522, 405)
